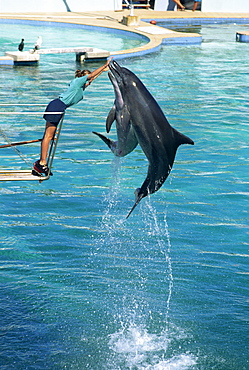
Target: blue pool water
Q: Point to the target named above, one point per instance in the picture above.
(84, 288)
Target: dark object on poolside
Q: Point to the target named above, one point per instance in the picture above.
(188, 4)
(21, 45)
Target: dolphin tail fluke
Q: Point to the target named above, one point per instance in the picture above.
(108, 142)
(138, 198)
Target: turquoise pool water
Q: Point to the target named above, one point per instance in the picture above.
(84, 288)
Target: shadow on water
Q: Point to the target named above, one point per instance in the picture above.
(142, 337)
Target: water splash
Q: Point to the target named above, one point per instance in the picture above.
(143, 339)
(112, 225)
(159, 229)
(135, 348)
(111, 197)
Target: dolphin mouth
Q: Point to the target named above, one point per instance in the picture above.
(114, 65)
(118, 94)
(115, 69)
(115, 76)
(111, 77)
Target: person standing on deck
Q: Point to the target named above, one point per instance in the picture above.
(21, 45)
(71, 96)
(179, 5)
(170, 5)
(37, 44)
(196, 3)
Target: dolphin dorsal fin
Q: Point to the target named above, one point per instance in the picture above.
(181, 139)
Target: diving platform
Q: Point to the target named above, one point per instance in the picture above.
(17, 175)
(30, 174)
(21, 57)
(31, 57)
(82, 53)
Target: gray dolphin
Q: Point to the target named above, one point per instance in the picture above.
(157, 138)
(127, 140)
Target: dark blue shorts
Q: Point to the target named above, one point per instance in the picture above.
(55, 105)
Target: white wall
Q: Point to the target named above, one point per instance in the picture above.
(26, 6)
(230, 6)
(88, 5)
(29, 6)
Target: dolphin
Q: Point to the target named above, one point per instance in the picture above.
(157, 138)
(127, 140)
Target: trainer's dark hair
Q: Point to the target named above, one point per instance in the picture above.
(80, 73)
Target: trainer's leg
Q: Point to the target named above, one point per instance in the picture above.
(195, 6)
(48, 136)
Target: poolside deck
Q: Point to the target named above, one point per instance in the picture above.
(155, 35)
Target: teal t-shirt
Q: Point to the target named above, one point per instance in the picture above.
(75, 91)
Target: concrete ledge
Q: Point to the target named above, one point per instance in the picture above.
(183, 40)
(94, 54)
(65, 50)
(97, 54)
(185, 21)
(6, 61)
(24, 58)
(87, 53)
(242, 36)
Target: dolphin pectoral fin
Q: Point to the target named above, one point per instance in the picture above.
(111, 144)
(138, 198)
(110, 119)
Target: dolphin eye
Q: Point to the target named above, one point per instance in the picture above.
(134, 83)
